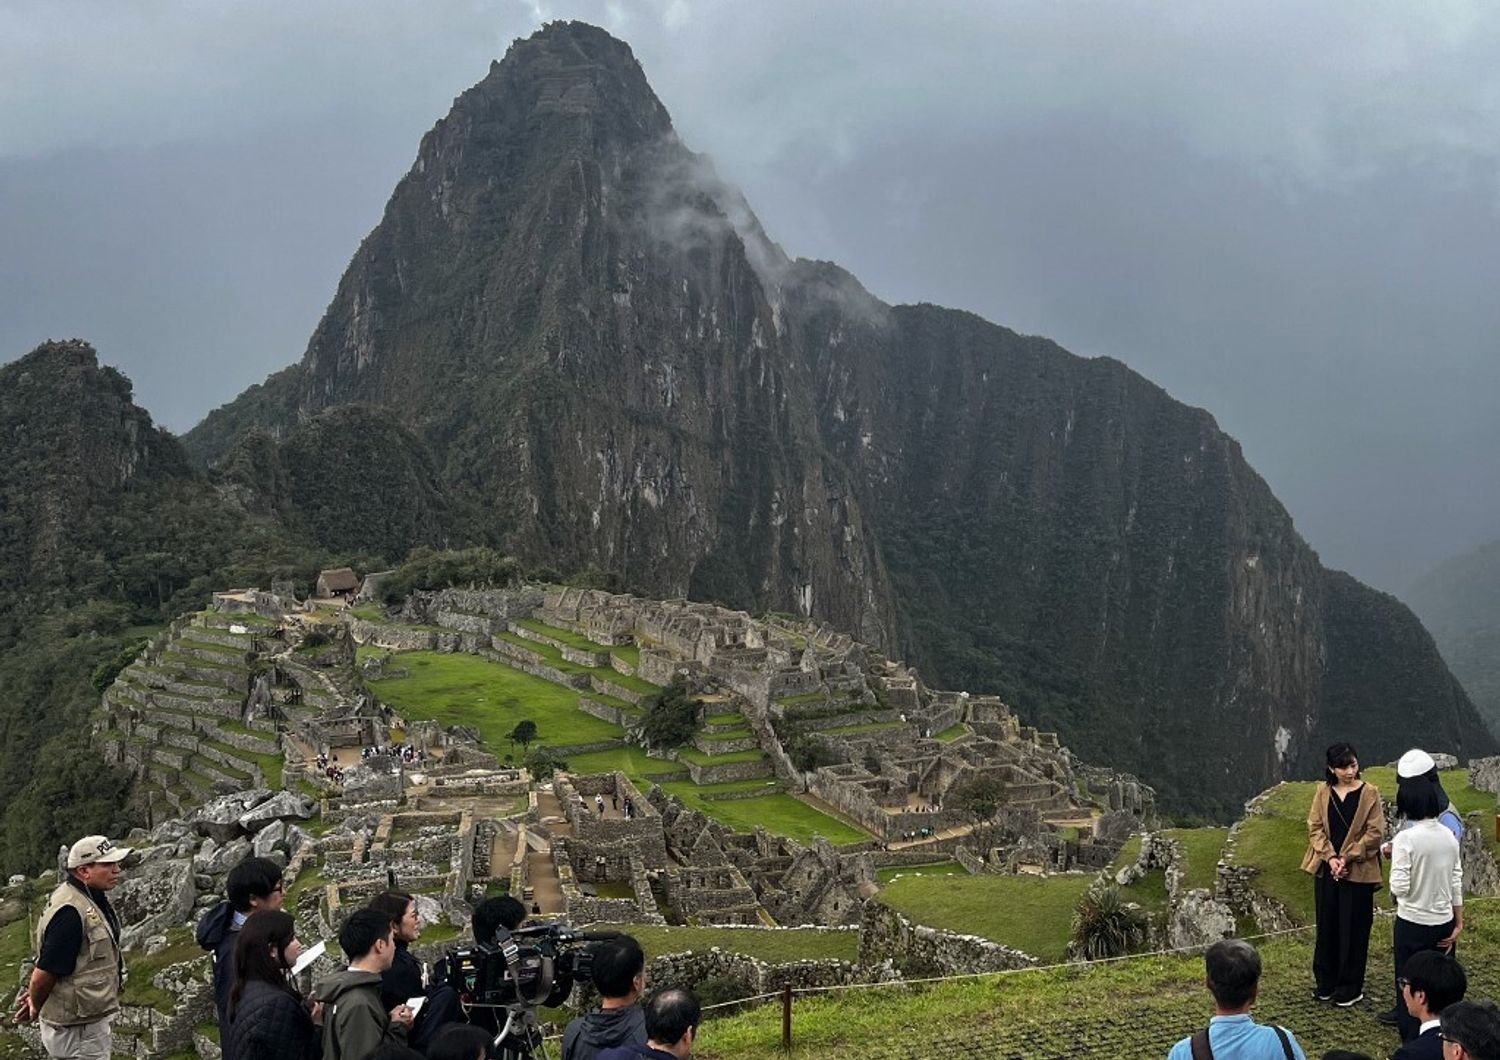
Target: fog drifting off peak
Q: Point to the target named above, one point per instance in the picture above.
(1284, 213)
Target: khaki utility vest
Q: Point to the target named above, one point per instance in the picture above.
(93, 990)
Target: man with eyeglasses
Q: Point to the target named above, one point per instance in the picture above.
(253, 884)
(1430, 982)
(1470, 1031)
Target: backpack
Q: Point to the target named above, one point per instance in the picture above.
(1201, 1050)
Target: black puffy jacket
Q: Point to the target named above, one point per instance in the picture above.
(270, 1023)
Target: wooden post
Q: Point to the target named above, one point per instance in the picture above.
(786, 1019)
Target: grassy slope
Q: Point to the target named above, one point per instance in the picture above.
(776, 947)
(1129, 1009)
(461, 689)
(1031, 913)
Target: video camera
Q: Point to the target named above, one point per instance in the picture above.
(530, 966)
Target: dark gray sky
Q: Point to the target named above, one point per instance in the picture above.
(1286, 213)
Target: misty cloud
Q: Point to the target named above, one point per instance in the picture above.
(1285, 213)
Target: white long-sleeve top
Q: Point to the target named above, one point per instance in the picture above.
(1427, 874)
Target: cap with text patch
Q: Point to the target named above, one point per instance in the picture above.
(95, 849)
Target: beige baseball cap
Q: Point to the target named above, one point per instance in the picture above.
(93, 849)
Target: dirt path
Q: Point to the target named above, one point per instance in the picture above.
(502, 853)
(541, 875)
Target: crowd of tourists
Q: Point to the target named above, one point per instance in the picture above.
(385, 1003)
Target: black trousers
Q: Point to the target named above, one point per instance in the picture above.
(1412, 938)
(1345, 912)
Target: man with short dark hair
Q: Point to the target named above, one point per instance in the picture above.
(619, 974)
(1430, 982)
(489, 916)
(1471, 1031)
(1233, 979)
(74, 988)
(672, 1018)
(253, 884)
(355, 1023)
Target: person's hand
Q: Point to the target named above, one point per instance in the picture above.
(402, 1014)
(1338, 866)
(24, 1012)
(1452, 940)
(316, 1011)
(1385, 849)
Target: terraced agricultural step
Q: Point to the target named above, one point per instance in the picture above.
(226, 774)
(226, 619)
(178, 758)
(202, 787)
(723, 743)
(222, 637)
(214, 653)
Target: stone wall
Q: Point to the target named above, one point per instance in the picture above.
(920, 951)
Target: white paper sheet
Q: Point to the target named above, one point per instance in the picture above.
(308, 956)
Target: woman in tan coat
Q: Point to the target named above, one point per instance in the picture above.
(1345, 828)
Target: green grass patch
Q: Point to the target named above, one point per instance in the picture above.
(726, 734)
(571, 638)
(1030, 913)
(614, 889)
(461, 689)
(697, 757)
(370, 612)
(724, 719)
(779, 814)
(630, 760)
(138, 989)
(936, 868)
(815, 696)
(773, 946)
(874, 726)
(628, 654)
(1201, 847)
(172, 660)
(553, 657)
(951, 733)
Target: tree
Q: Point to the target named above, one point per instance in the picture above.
(976, 797)
(543, 762)
(671, 716)
(523, 733)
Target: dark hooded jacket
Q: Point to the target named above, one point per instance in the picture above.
(217, 935)
(355, 1021)
(590, 1034)
(270, 1023)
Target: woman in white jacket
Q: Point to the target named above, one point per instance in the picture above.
(1427, 881)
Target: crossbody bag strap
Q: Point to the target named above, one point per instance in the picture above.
(1286, 1044)
(1201, 1049)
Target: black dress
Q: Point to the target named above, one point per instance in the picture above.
(1345, 912)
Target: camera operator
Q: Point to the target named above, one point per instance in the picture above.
(407, 977)
(672, 1018)
(619, 973)
(489, 916)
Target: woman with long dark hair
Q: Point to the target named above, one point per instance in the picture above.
(1345, 828)
(268, 1019)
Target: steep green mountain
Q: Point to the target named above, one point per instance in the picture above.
(609, 359)
(1459, 600)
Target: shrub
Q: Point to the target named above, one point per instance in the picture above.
(671, 716)
(1105, 925)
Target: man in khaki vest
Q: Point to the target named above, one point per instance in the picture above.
(75, 986)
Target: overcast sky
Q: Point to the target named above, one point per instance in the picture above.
(1286, 213)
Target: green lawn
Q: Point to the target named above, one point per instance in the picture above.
(951, 733)
(461, 689)
(1202, 847)
(1276, 842)
(139, 990)
(1031, 913)
(697, 757)
(779, 814)
(724, 719)
(772, 946)
(553, 657)
(1131, 1010)
(874, 726)
(631, 760)
(937, 868)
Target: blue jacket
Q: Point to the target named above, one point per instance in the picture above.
(217, 933)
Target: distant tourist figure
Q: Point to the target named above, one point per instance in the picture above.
(74, 989)
(1345, 829)
(599, 803)
(1430, 982)
(1472, 1028)
(1233, 969)
(614, 800)
(1427, 877)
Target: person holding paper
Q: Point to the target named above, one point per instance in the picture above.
(268, 1019)
(433, 1005)
(355, 1022)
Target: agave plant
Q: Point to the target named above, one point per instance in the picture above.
(1105, 925)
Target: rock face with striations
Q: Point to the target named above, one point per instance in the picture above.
(605, 354)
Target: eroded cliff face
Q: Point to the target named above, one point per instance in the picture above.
(605, 353)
